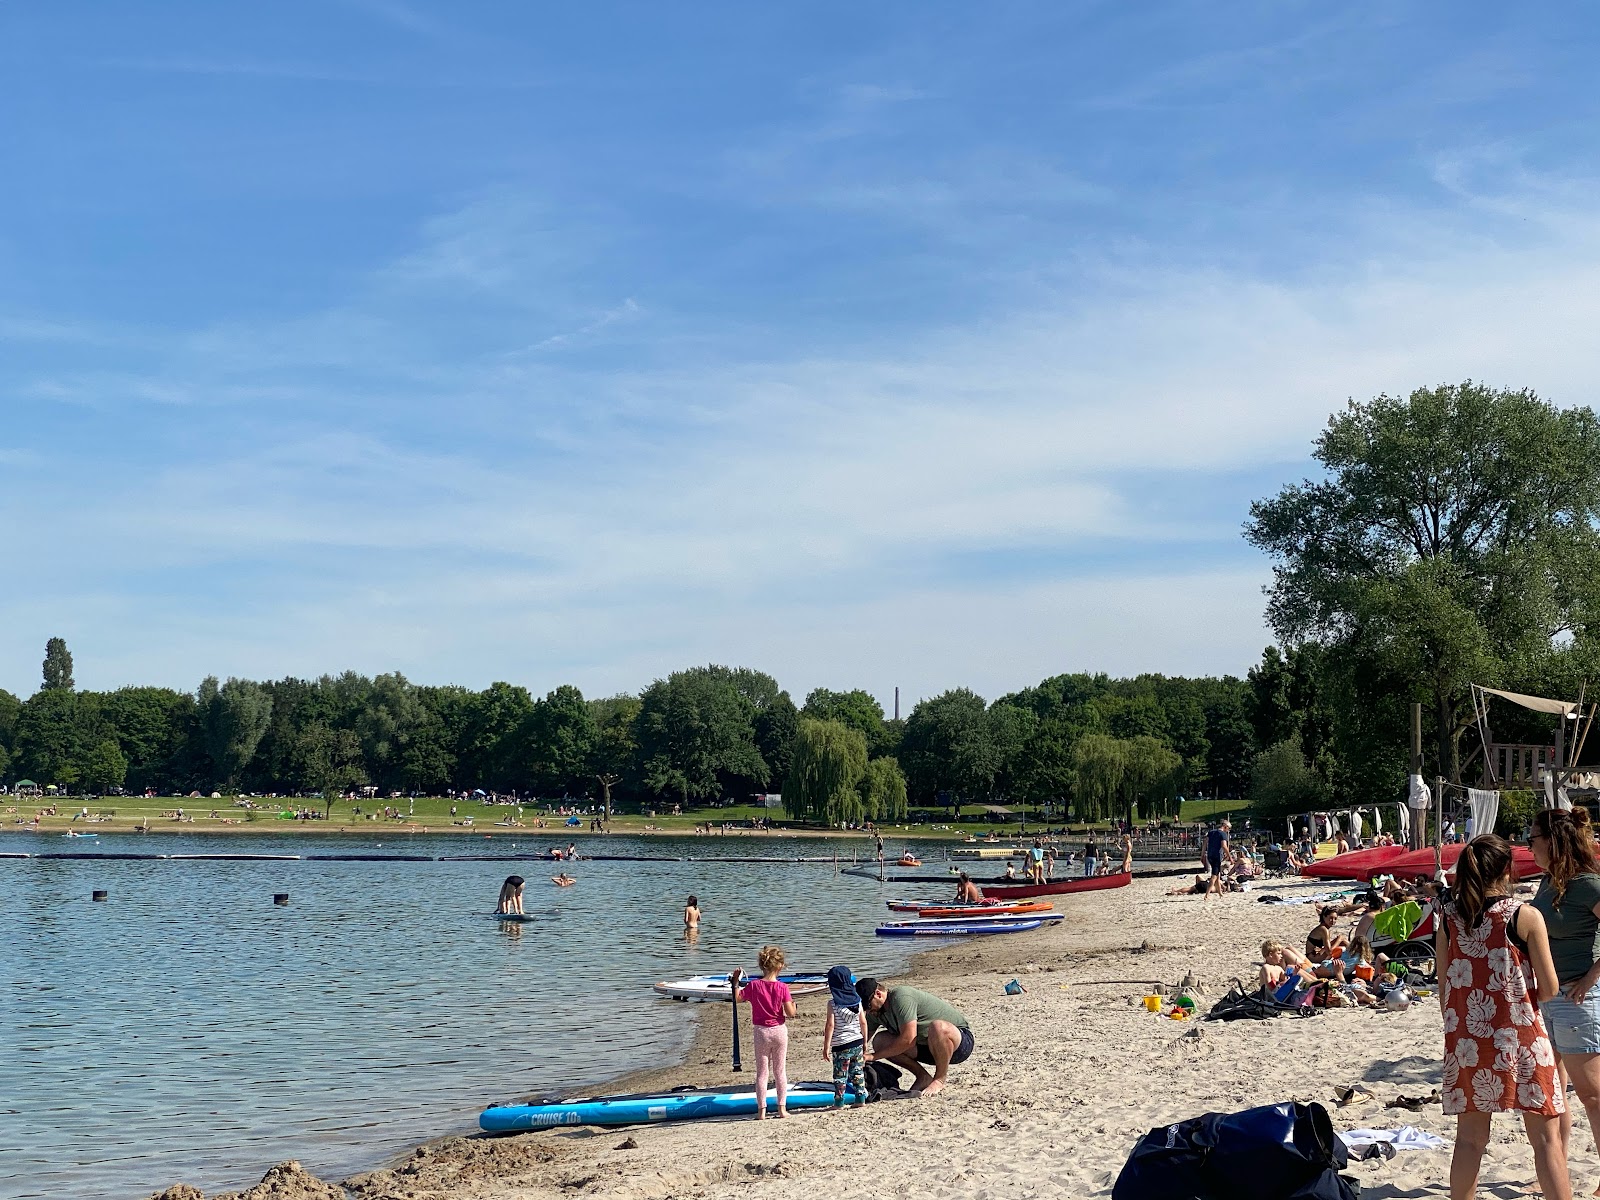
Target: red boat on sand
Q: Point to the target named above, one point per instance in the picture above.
(1061, 887)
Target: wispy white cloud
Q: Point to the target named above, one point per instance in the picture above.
(809, 513)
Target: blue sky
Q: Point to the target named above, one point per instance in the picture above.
(917, 344)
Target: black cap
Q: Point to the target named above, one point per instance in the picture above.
(866, 988)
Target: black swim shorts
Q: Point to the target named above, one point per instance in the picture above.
(962, 1052)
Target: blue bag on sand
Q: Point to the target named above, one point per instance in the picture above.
(1277, 1152)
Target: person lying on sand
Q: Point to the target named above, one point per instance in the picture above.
(1201, 885)
(914, 1028)
(1280, 962)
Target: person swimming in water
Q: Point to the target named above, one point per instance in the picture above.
(510, 897)
(563, 880)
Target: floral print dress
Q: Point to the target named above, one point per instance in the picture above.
(1497, 1057)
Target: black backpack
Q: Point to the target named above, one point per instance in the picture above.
(1277, 1152)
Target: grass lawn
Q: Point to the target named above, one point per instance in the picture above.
(433, 814)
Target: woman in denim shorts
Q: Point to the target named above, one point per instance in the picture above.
(1562, 842)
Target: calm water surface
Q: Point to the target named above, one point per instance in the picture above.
(188, 1029)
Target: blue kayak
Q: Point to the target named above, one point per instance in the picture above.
(950, 929)
(648, 1107)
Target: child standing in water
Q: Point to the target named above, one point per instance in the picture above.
(691, 916)
(771, 1006)
(844, 1038)
(1497, 1056)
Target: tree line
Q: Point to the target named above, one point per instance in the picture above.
(705, 734)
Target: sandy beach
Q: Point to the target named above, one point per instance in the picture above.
(1064, 1081)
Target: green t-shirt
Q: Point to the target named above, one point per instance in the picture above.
(907, 1004)
(1574, 929)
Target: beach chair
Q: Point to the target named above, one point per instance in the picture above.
(1275, 863)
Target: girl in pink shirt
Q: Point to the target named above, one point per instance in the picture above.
(770, 1006)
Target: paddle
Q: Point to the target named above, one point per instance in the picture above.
(733, 995)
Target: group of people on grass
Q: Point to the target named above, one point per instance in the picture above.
(867, 1022)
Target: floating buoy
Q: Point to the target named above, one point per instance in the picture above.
(98, 894)
(280, 898)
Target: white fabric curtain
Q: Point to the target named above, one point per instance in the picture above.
(1377, 820)
(1355, 827)
(1485, 806)
(1420, 796)
(1404, 826)
(1555, 797)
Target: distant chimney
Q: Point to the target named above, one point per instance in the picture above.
(897, 704)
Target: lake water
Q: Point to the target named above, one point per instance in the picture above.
(188, 1029)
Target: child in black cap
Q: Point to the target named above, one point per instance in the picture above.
(844, 1037)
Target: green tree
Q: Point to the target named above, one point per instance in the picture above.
(858, 709)
(776, 725)
(616, 751)
(1452, 540)
(825, 773)
(496, 720)
(947, 748)
(233, 719)
(57, 666)
(390, 719)
(1153, 773)
(10, 708)
(104, 767)
(155, 729)
(1100, 768)
(883, 791)
(560, 744)
(1282, 783)
(49, 741)
(695, 730)
(331, 760)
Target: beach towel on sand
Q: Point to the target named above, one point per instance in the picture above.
(1277, 1152)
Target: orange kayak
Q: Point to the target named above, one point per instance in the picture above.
(985, 910)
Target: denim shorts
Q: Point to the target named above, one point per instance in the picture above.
(1573, 1028)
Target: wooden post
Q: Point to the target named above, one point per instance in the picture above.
(1418, 816)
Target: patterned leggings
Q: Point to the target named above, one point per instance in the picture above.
(849, 1066)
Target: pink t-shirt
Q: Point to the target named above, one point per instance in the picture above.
(767, 998)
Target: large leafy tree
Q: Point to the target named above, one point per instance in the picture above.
(696, 730)
(155, 730)
(10, 707)
(883, 790)
(57, 666)
(615, 760)
(1452, 539)
(489, 746)
(233, 719)
(50, 744)
(560, 744)
(858, 709)
(947, 747)
(825, 773)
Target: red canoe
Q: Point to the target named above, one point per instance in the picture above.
(1357, 864)
(1063, 887)
(1420, 862)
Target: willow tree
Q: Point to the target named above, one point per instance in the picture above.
(825, 773)
(883, 790)
(1451, 539)
(1099, 765)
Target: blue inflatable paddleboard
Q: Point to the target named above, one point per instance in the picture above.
(649, 1107)
(943, 929)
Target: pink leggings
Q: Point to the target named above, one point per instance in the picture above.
(772, 1053)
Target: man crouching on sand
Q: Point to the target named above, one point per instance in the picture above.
(913, 1029)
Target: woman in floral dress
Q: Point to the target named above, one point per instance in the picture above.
(1497, 1057)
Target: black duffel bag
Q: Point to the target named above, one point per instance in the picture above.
(1277, 1152)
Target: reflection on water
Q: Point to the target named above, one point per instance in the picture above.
(189, 1029)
